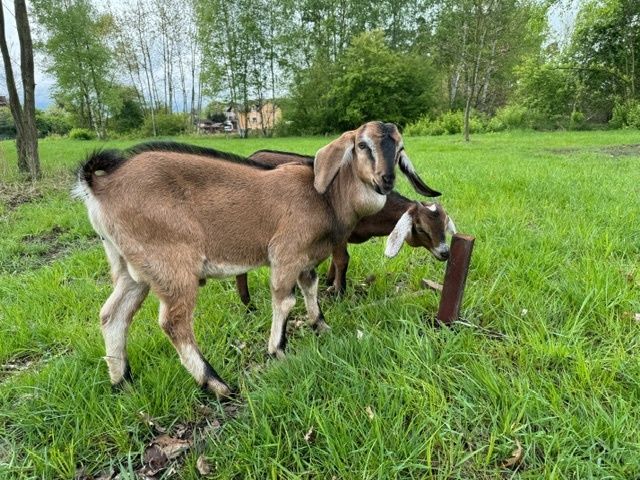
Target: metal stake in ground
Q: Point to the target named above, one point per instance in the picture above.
(455, 278)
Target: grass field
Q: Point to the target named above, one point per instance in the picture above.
(543, 369)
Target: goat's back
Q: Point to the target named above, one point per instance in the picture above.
(225, 211)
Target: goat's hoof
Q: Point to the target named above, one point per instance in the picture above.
(278, 354)
(220, 389)
(122, 385)
(251, 308)
(126, 380)
(320, 327)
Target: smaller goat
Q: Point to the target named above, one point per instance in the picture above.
(420, 224)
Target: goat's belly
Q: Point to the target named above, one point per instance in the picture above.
(222, 269)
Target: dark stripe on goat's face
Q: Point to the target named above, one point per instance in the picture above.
(388, 146)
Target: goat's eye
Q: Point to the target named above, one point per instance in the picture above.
(362, 145)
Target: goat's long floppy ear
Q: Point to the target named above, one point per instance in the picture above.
(330, 158)
(451, 227)
(418, 184)
(399, 233)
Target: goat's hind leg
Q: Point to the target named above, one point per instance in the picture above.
(116, 316)
(308, 283)
(176, 319)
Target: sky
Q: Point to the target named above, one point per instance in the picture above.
(561, 20)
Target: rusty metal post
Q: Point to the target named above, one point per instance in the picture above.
(455, 278)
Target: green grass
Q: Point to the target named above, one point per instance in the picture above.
(546, 355)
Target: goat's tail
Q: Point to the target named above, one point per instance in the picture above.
(97, 163)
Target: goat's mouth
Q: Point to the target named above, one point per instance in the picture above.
(440, 253)
(381, 190)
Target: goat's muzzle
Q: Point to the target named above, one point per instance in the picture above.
(441, 252)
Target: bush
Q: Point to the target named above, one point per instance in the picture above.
(496, 125)
(448, 122)
(577, 121)
(452, 122)
(626, 115)
(81, 134)
(513, 117)
(633, 116)
(53, 122)
(7, 125)
(167, 124)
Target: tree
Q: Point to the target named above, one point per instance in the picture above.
(605, 54)
(77, 50)
(24, 114)
(478, 42)
(368, 82)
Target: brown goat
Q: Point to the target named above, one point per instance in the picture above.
(429, 222)
(170, 215)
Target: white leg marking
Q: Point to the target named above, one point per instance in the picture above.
(280, 312)
(192, 361)
(116, 315)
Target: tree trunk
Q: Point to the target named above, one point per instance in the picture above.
(24, 115)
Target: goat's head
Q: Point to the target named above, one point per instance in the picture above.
(422, 225)
(375, 148)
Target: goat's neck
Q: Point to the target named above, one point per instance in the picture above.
(383, 222)
(351, 199)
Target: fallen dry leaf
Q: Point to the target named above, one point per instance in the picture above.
(637, 317)
(203, 466)
(359, 334)
(430, 284)
(523, 312)
(370, 413)
(310, 436)
(516, 457)
(160, 451)
(204, 410)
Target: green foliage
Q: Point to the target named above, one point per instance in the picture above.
(577, 121)
(514, 117)
(604, 49)
(81, 134)
(53, 121)
(548, 88)
(447, 123)
(167, 124)
(626, 115)
(7, 125)
(128, 115)
(75, 44)
(368, 82)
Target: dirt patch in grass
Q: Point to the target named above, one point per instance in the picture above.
(615, 151)
(26, 361)
(622, 150)
(14, 195)
(43, 249)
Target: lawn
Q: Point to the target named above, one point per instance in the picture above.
(539, 379)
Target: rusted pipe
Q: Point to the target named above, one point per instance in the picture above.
(455, 278)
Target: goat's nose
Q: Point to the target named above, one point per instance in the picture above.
(445, 255)
(388, 179)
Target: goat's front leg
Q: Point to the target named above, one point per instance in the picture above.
(308, 283)
(283, 282)
(176, 319)
(337, 276)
